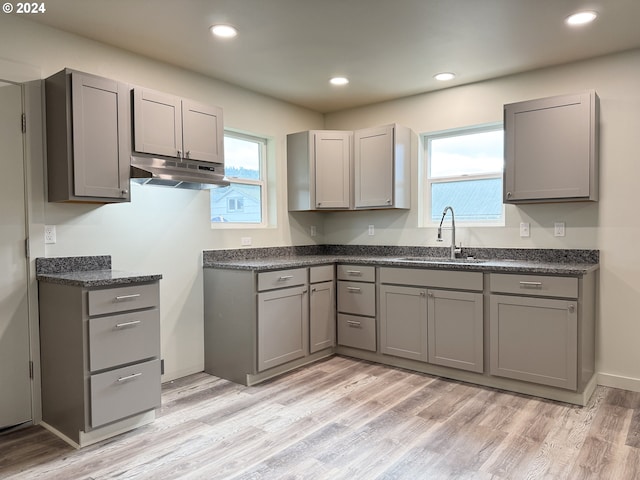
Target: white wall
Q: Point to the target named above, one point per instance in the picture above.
(161, 230)
(611, 225)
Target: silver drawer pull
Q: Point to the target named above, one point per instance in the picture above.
(531, 284)
(353, 289)
(128, 324)
(127, 297)
(130, 377)
(354, 323)
(284, 278)
(354, 272)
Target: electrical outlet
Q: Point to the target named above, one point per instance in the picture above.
(49, 234)
(245, 241)
(525, 229)
(558, 229)
(313, 230)
(372, 230)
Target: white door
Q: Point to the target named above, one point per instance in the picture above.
(15, 385)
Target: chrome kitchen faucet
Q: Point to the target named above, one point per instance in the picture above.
(453, 231)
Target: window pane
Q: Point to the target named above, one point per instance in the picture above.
(236, 203)
(471, 200)
(242, 158)
(466, 154)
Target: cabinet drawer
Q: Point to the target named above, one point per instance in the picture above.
(323, 273)
(121, 339)
(124, 392)
(535, 285)
(282, 278)
(121, 299)
(357, 332)
(357, 297)
(360, 273)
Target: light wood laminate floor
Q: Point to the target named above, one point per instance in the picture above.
(349, 419)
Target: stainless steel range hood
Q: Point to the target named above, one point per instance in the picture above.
(178, 174)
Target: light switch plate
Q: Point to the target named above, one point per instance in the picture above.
(372, 230)
(245, 241)
(525, 230)
(558, 229)
(313, 231)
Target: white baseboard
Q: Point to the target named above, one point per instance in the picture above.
(618, 381)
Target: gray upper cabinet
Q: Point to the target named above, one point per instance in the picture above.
(173, 127)
(319, 170)
(551, 149)
(343, 170)
(88, 138)
(382, 166)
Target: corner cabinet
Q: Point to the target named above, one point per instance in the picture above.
(100, 355)
(173, 127)
(551, 149)
(319, 170)
(345, 170)
(88, 138)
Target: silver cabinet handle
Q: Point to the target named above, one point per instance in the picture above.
(353, 289)
(179, 153)
(313, 289)
(129, 377)
(284, 278)
(509, 194)
(128, 324)
(124, 192)
(388, 202)
(187, 154)
(121, 298)
(354, 272)
(354, 323)
(572, 308)
(531, 284)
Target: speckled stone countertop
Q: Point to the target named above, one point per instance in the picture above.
(90, 271)
(532, 261)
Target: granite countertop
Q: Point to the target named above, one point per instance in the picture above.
(91, 271)
(549, 262)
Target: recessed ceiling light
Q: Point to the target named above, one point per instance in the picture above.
(339, 81)
(581, 18)
(444, 76)
(224, 30)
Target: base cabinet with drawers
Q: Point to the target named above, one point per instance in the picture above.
(357, 306)
(542, 329)
(100, 355)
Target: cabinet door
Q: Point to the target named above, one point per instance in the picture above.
(534, 339)
(101, 152)
(456, 329)
(373, 158)
(322, 316)
(332, 164)
(403, 322)
(203, 132)
(157, 121)
(551, 149)
(283, 326)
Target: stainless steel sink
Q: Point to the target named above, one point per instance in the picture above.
(440, 260)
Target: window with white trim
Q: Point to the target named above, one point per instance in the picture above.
(464, 170)
(244, 201)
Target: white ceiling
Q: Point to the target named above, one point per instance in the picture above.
(288, 49)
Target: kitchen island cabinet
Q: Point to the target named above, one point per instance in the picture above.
(88, 138)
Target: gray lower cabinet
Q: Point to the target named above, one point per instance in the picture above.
(543, 329)
(455, 329)
(100, 355)
(403, 322)
(356, 307)
(322, 308)
(420, 321)
(88, 138)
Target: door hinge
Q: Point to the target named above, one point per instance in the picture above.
(31, 369)
(24, 123)
(26, 248)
